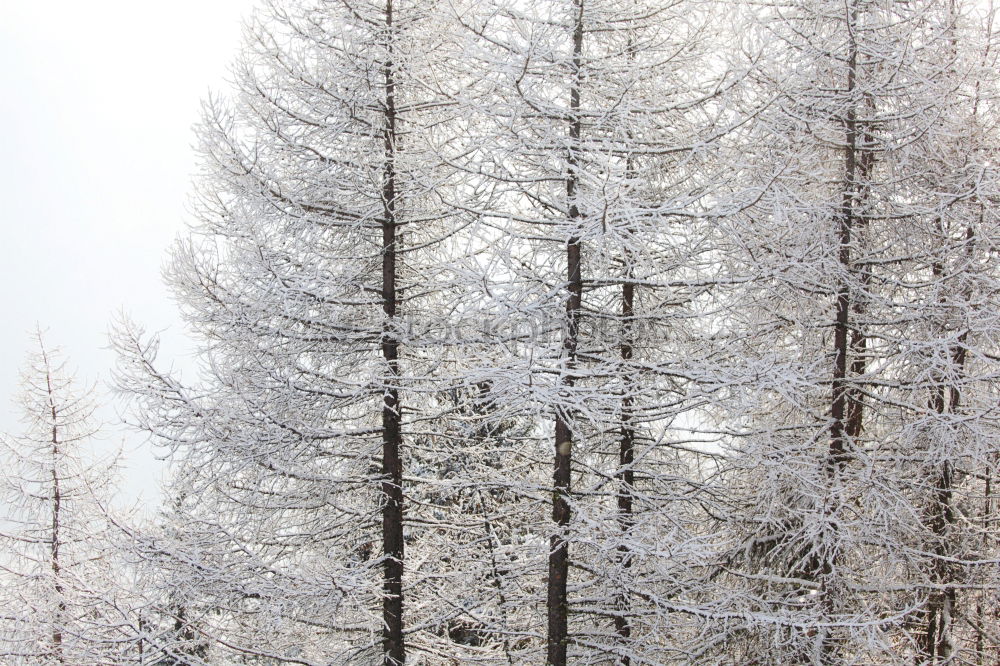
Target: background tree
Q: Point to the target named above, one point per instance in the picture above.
(60, 577)
(590, 115)
(947, 344)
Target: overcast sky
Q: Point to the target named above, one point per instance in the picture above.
(97, 101)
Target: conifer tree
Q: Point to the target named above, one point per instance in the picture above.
(308, 279)
(838, 268)
(60, 578)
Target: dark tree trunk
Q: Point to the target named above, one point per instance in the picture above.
(54, 546)
(392, 464)
(557, 603)
(941, 604)
(626, 443)
(842, 324)
(840, 428)
(987, 519)
(626, 456)
(937, 643)
(859, 343)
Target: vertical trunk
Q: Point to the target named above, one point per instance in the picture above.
(938, 645)
(838, 409)
(54, 561)
(140, 649)
(497, 577)
(626, 455)
(392, 465)
(987, 520)
(626, 442)
(557, 603)
(838, 454)
(859, 343)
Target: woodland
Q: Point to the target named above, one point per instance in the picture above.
(590, 332)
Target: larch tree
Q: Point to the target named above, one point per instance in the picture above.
(594, 124)
(834, 358)
(309, 277)
(57, 541)
(585, 331)
(947, 361)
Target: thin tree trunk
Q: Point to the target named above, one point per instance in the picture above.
(985, 530)
(55, 564)
(392, 465)
(626, 445)
(989, 503)
(491, 540)
(838, 410)
(838, 454)
(938, 645)
(626, 456)
(557, 602)
(859, 342)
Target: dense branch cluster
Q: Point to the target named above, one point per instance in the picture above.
(582, 332)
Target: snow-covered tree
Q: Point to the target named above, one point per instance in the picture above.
(59, 575)
(585, 331)
(313, 279)
(838, 539)
(595, 126)
(947, 341)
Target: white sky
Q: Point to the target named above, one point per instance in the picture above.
(97, 101)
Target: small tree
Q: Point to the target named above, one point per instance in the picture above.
(55, 533)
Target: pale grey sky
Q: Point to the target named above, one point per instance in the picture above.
(97, 100)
